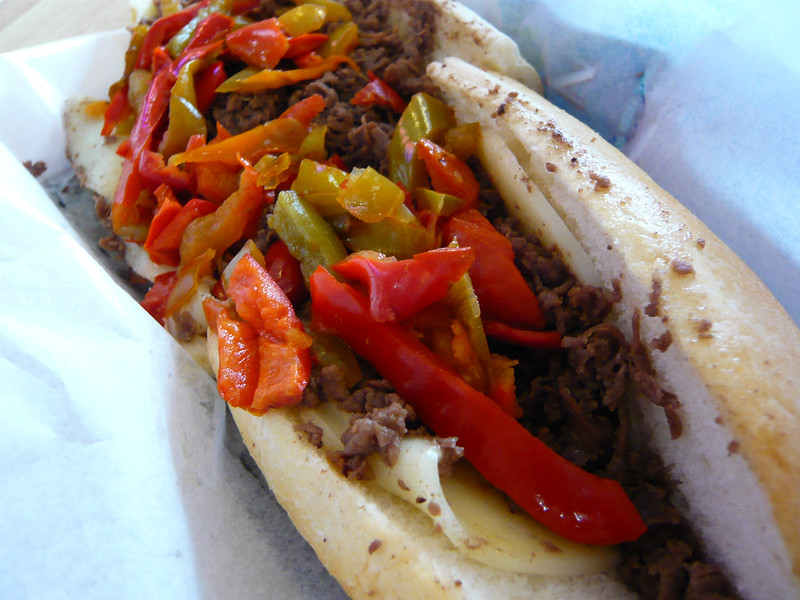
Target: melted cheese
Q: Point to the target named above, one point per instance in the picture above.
(476, 517)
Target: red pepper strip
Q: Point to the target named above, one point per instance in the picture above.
(127, 216)
(211, 29)
(304, 43)
(124, 149)
(285, 270)
(163, 29)
(269, 79)
(237, 375)
(153, 172)
(117, 110)
(283, 345)
(261, 45)
(575, 504)
(503, 294)
(197, 53)
(503, 389)
(543, 340)
(219, 230)
(378, 92)
(241, 7)
(449, 174)
(164, 249)
(278, 135)
(216, 181)
(307, 60)
(155, 300)
(305, 110)
(168, 208)
(399, 289)
(208, 80)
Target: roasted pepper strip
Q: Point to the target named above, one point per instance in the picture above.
(163, 29)
(283, 344)
(543, 340)
(128, 217)
(117, 110)
(155, 300)
(164, 247)
(303, 44)
(261, 45)
(278, 135)
(228, 224)
(424, 117)
(379, 93)
(153, 172)
(369, 196)
(575, 504)
(448, 173)
(285, 270)
(268, 79)
(237, 375)
(309, 237)
(502, 291)
(399, 289)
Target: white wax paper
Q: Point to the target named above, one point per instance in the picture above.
(120, 475)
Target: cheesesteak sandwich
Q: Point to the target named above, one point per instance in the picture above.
(475, 351)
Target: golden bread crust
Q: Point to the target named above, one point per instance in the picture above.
(734, 360)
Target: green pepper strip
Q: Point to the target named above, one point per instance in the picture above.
(308, 236)
(185, 119)
(424, 117)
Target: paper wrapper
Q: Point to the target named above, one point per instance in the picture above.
(121, 475)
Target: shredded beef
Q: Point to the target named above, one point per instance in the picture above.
(575, 399)
(359, 135)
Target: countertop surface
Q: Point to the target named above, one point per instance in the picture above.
(26, 23)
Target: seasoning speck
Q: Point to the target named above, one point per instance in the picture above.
(682, 267)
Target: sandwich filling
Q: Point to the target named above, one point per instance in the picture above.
(315, 211)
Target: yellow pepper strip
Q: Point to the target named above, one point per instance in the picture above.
(336, 11)
(390, 236)
(270, 79)
(303, 19)
(319, 184)
(369, 196)
(185, 120)
(273, 170)
(342, 40)
(330, 350)
(278, 135)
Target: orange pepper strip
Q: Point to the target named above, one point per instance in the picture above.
(228, 224)
(278, 135)
(283, 345)
(237, 376)
(269, 79)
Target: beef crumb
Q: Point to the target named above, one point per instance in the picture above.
(662, 342)
(312, 431)
(35, 168)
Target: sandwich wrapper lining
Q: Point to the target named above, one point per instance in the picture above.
(122, 475)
